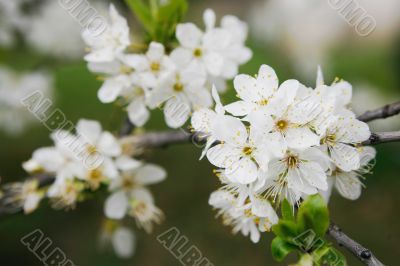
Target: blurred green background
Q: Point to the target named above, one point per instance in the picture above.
(373, 220)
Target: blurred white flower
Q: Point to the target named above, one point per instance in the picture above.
(250, 218)
(219, 50)
(130, 195)
(121, 238)
(308, 31)
(12, 19)
(109, 44)
(26, 195)
(14, 117)
(53, 31)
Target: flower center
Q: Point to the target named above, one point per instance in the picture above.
(91, 149)
(197, 52)
(330, 139)
(95, 174)
(292, 161)
(155, 66)
(282, 125)
(247, 151)
(263, 102)
(178, 87)
(125, 69)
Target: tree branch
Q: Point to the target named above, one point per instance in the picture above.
(382, 137)
(381, 113)
(362, 253)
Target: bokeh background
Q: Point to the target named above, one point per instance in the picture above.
(293, 36)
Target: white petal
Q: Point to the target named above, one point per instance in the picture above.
(239, 108)
(230, 130)
(138, 62)
(223, 155)
(367, 154)
(348, 185)
(155, 51)
(214, 63)
(267, 78)
(150, 174)
(176, 112)
(110, 90)
(31, 202)
(108, 144)
(138, 113)
(116, 205)
(320, 77)
(301, 138)
(314, 174)
(123, 241)
(262, 208)
(89, 129)
(345, 157)
(246, 87)
(244, 171)
(209, 18)
(181, 56)
(188, 35)
(202, 120)
(126, 163)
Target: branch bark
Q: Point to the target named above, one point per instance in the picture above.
(362, 253)
(382, 137)
(381, 113)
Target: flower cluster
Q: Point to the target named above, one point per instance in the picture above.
(14, 117)
(86, 161)
(281, 141)
(178, 81)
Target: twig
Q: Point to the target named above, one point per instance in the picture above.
(127, 128)
(382, 137)
(381, 113)
(362, 253)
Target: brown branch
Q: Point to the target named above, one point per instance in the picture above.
(382, 137)
(381, 113)
(362, 253)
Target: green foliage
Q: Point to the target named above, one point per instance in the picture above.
(313, 214)
(281, 248)
(159, 20)
(305, 233)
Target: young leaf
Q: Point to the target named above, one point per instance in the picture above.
(313, 214)
(328, 255)
(286, 230)
(143, 14)
(287, 211)
(280, 248)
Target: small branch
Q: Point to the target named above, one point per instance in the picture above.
(362, 253)
(165, 138)
(127, 128)
(382, 137)
(381, 113)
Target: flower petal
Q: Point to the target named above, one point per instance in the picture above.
(116, 205)
(188, 35)
(150, 174)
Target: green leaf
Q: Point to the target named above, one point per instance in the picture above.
(280, 248)
(328, 255)
(287, 211)
(286, 230)
(143, 14)
(313, 214)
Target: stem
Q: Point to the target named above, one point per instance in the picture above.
(381, 113)
(382, 137)
(362, 253)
